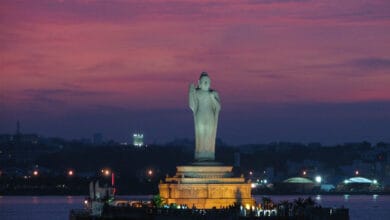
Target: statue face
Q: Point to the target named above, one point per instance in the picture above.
(204, 83)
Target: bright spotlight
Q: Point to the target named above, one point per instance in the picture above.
(318, 179)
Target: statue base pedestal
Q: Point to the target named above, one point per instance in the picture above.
(206, 185)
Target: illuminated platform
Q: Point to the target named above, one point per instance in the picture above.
(205, 186)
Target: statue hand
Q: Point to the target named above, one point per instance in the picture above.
(192, 88)
(192, 98)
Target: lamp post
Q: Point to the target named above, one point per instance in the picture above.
(109, 173)
(112, 179)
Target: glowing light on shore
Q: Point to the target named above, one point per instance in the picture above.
(106, 172)
(318, 179)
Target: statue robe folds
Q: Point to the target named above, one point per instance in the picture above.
(206, 106)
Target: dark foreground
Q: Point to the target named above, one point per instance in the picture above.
(130, 213)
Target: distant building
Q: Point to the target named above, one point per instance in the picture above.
(97, 138)
(237, 159)
(297, 185)
(359, 184)
(4, 138)
(138, 139)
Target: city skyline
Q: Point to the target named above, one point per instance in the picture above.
(300, 71)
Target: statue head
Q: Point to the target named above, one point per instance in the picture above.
(204, 82)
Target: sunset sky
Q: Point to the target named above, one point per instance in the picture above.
(302, 71)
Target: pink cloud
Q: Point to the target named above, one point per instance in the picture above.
(143, 54)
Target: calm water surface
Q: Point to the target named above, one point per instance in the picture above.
(363, 207)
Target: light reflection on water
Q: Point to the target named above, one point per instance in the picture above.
(38, 207)
(365, 207)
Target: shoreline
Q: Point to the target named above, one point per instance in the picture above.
(257, 194)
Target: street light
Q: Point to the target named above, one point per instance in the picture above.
(150, 172)
(357, 172)
(318, 179)
(70, 173)
(106, 172)
(35, 173)
(304, 173)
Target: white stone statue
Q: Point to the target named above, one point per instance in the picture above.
(205, 104)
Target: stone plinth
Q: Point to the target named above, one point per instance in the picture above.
(204, 171)
(205, 187)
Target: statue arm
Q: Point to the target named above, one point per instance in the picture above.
(192, 99)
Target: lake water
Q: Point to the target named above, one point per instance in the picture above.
(365, 207)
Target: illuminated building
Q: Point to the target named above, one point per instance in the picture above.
(138, 139)
(298, 185)
(359, 184)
